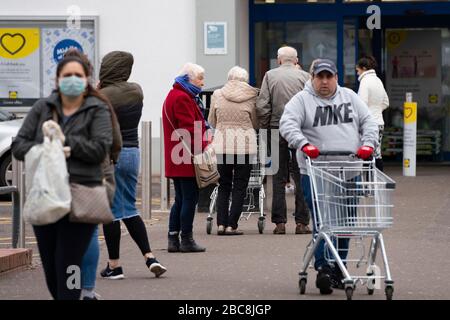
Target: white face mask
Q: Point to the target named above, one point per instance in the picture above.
(72, 86)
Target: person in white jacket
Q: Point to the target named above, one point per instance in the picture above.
(372, 92)
(325, 118)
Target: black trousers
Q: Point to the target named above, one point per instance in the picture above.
(279, 209)
(138, 232)
(234, 173)
(62, 246)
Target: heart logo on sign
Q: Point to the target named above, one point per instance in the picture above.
(408, 112)
(12, 43)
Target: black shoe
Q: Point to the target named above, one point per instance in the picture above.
(90, 298)
(174, 243)
(114, 274)
(188, 244)
(323, 280)
(154, 266)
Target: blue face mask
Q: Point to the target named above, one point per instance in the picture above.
(72, 86)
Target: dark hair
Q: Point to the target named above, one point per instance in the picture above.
(73, 55)
(367, 62)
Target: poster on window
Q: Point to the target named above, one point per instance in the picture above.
(413, 65)
(56, 42)
(19, 66)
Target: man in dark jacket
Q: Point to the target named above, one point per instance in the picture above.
(278, 87)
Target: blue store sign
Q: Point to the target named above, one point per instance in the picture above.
(63, 46)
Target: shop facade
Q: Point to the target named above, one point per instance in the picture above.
(411, 45)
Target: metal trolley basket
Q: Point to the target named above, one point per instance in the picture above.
(351, 199)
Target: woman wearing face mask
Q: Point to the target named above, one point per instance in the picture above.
(84, 128)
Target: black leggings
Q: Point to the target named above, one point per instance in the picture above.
(137, 230)
(62, 245)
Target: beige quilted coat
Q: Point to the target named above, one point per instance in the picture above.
(233, 115)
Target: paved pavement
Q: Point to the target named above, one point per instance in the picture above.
(255, 266)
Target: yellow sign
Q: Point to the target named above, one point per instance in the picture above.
(410, 112)
(395, 39)
(433, 98)
(406, 163)
(13, 94)
(18, 43)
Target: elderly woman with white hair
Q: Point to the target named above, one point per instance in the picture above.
(233, 115)
(184, 128)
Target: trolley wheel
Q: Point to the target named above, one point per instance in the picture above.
(349, 293)
(209, 225)
(261, 224)
(370, 285)
(389, 292)
(302, 285)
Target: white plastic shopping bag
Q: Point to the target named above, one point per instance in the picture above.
(47, 182)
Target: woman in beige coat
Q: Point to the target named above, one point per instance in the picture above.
(233, 115)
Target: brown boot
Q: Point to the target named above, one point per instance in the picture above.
(280, 229)
(302, 229)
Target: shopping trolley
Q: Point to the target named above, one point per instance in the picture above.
(252, 205)
(351, 199)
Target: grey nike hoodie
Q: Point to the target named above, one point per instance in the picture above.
(341, 123)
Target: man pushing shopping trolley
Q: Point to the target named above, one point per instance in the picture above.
(327, 124)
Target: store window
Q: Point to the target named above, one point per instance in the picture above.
(311, 39)
(417, 61)
(396, 0)
(292, 1)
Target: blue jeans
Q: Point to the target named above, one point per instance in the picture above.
(183, 210)
(319, 254)
(90, 262)
(126, 173)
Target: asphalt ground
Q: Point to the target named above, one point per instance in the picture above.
(265, 266)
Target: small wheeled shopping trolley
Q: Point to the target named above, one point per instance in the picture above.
(254, 200)
(352, 199)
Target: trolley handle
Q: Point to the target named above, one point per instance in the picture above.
(337, 153)
(350, 154)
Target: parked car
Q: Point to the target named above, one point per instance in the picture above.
(9, 126)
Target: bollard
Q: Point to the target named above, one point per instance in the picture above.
(409, 136)
(165, 192)
(146, 169)
(18, 198)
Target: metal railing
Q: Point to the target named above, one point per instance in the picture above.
(17, 191)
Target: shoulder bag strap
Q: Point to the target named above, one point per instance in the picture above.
(188, 148)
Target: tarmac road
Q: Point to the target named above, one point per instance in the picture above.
(255, 266)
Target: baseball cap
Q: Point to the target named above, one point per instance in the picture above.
(324, 65)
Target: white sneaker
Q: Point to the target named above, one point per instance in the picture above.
(154, 266)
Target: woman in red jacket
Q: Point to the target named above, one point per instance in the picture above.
(184, 134)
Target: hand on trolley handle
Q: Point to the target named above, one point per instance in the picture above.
(364, 152)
